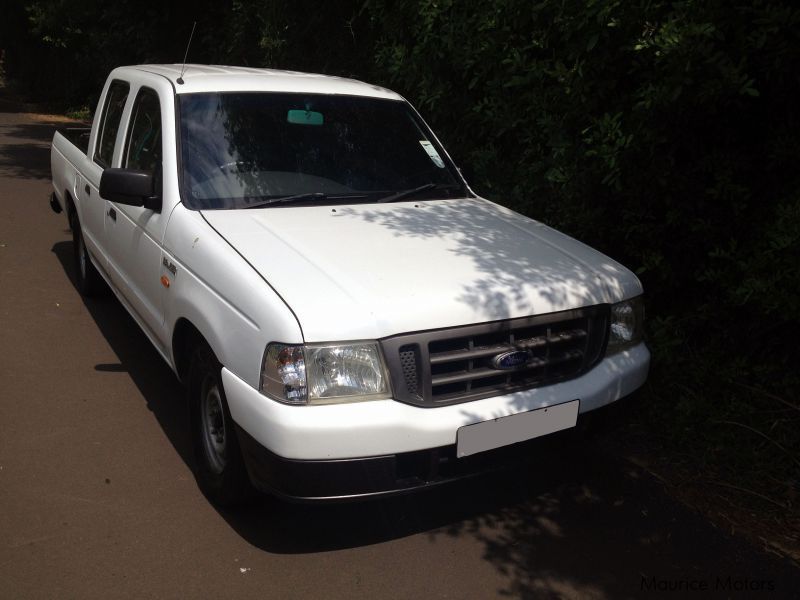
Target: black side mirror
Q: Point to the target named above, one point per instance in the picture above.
(131, 187)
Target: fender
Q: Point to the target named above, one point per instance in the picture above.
(232, 307)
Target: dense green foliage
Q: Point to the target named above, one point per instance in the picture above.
(665, 133)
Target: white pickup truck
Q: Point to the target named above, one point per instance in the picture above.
(348, 317)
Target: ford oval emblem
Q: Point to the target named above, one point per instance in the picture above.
(511, 360)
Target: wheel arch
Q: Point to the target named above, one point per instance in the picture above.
(69, 205)
(185, 337)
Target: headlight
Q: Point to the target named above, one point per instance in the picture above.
(324, 373)
(627, 320)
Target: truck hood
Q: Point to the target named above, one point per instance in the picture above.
(374, 270)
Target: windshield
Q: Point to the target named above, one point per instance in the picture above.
(248, 149)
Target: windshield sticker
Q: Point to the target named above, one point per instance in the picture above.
(428, 147)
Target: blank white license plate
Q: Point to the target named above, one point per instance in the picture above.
(503, 431)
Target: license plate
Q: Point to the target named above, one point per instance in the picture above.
(503, 431)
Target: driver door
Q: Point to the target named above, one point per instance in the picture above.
(135, 233)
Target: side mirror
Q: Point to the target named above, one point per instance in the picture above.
(131, 187)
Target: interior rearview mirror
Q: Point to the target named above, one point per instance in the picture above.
(304, 117)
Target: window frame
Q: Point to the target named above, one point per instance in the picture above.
(131, 123)
(104, 122)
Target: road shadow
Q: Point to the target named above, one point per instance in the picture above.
(155, 380)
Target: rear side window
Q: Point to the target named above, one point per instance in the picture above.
(143, 147)
(109, 124)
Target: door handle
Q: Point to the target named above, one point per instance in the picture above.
(112, 213)
(87, 189)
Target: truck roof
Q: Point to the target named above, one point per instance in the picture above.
(218, 78)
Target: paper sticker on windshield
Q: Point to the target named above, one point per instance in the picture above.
(437, 160)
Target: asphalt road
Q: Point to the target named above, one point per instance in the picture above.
(97, 498)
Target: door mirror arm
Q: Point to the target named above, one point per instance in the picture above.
(153, 203)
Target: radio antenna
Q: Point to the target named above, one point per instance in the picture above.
(183, 68)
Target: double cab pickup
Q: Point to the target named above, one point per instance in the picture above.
(348, 317)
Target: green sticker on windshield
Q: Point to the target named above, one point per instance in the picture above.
(304, 117)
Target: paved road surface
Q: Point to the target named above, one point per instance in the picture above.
(97, 498)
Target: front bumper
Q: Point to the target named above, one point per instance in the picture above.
(346, 450)
(370, 477)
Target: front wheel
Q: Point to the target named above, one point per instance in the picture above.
(219, 467)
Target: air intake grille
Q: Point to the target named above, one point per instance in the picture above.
(448, 366)
(409, 358)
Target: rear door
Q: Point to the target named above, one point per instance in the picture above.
(87, 186)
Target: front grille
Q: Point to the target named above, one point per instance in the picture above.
(448, 366)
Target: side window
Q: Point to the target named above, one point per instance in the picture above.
(143, 147)
(109, 125)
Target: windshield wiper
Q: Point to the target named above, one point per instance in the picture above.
(315, 196)
(292, 198)
(321, 196)
(403, 194)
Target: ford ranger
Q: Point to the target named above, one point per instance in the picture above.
(348, 317)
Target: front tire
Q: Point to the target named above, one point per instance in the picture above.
(219, 467)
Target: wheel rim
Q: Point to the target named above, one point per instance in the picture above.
(81, 255)
(212, 423)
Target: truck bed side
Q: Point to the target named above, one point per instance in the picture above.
(67, 157)
(78, 136)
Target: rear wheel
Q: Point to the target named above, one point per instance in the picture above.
(219, 467)
(88, 280)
